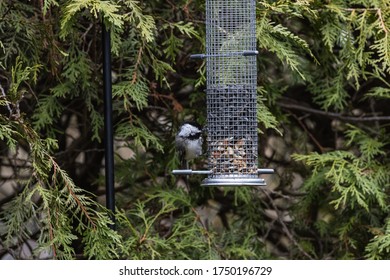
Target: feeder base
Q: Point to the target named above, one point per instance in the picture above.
(232, 182)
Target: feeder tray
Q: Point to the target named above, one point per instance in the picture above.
(231, 69)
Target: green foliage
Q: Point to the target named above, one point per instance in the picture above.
(7, 134)
(20, 37)
(278, 39)
(96, 9)
(323, 89)
(338, 55)
(50, 199)
(264, 116)
(349, 177)
(145, 23)
(378, 248)
(173, 44)
(139, 132)
(133, 94)
(351, 182)
(47, 4)
(187, 239)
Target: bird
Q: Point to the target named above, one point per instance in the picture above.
(189, 142)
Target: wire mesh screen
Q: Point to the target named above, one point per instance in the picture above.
(231, 90)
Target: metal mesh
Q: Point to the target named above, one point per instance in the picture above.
(231, 88)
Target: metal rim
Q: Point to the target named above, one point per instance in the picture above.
(218, 182)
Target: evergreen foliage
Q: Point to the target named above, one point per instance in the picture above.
(323, 77)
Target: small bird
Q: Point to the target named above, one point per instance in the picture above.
(189, 142)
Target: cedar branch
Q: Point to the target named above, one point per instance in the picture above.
(332, 115)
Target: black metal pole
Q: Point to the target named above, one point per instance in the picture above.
(108, 129)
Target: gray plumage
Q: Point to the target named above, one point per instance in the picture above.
(189, 142)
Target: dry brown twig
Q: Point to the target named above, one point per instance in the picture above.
(284, 226)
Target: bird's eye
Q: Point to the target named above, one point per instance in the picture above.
(194, 136)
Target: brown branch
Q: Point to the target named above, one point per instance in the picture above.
(311, 136)
(84, 35)
(138, 62)
(172, 5)
(11, 6)
(285, 228)
(5, 98)
(186, 8)
(51, 234)
(176, 105)
(331, 115)
(72, 194)
(383, 25)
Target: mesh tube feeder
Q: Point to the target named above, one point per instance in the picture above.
(231, 69)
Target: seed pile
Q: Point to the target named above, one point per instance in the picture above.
(232, 135)
(230, 157)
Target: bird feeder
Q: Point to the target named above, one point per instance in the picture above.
(232, 142)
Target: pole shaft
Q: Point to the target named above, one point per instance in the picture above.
(108, 129)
